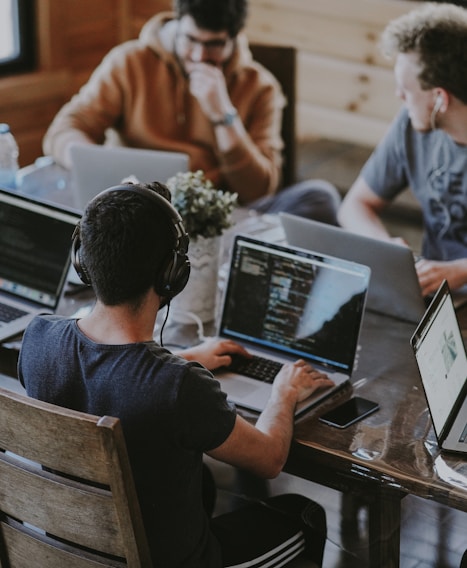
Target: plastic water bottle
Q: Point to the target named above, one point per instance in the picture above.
(8, 157)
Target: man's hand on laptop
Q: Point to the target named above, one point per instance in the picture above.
(303, 378)
(431, 273)
(214, 353)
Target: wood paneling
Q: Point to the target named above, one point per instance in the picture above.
(142, 10)
(29, 103)
(345, 88)
(344, 100)
(317, 32)
(72, 38)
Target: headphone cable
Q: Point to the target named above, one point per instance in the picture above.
(199, 324)
(166, 317)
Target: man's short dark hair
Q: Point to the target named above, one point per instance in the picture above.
(125, 239)
(214, 15)
(437, 33)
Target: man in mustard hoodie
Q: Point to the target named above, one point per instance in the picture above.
(189, 84)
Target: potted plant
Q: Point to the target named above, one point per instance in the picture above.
(206, 213)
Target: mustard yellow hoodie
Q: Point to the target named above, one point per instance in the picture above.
(140, 91)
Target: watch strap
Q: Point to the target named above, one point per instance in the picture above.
(227, 119)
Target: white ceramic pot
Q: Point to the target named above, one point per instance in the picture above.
(200, 294)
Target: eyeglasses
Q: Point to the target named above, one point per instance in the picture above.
(216, 47)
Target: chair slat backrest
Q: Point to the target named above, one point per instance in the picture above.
(67, 496)
(280, 60)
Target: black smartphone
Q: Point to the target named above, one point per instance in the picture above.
(349, 412)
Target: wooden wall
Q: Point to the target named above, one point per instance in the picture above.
(345, 88)
(72, 38)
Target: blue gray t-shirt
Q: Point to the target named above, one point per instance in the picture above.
(171, 412)
(435, 168)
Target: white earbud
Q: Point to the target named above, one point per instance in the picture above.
(438, 103)
(436, 107)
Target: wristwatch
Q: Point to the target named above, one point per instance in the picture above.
(227, 119)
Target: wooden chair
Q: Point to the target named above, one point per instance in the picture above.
(66, 489)
(281, 62)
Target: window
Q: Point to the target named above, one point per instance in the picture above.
(16, 36)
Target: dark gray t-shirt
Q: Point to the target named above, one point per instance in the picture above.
(171, 412)
(435, 168)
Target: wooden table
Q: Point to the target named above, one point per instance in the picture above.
(389, 454)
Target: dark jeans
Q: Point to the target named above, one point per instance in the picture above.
(315, 199)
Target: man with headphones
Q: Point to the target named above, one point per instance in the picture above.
(131, 246)
(426, 146)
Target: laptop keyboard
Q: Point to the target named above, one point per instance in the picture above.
(9, 313)
(255, 367)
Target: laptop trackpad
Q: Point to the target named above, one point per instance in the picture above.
(240, 388)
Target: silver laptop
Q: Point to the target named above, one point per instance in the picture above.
(285, 303)
(35, 244)
(394, 288)
(95, 168)
(442, 361)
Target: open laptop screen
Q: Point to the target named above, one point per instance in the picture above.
(441, 359)
(294, 302)
(34, 248)
(95, 168)
(399, 297)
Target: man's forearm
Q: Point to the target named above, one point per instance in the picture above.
(277, 421)
(249, 172)
(356, 217)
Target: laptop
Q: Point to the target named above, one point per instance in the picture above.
(285, 303)
(35, 244)
(95, 168)
(442, 361)
(394, 288)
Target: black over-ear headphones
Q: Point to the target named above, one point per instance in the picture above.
(173, 275)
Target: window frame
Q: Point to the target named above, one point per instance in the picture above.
(26, 60)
